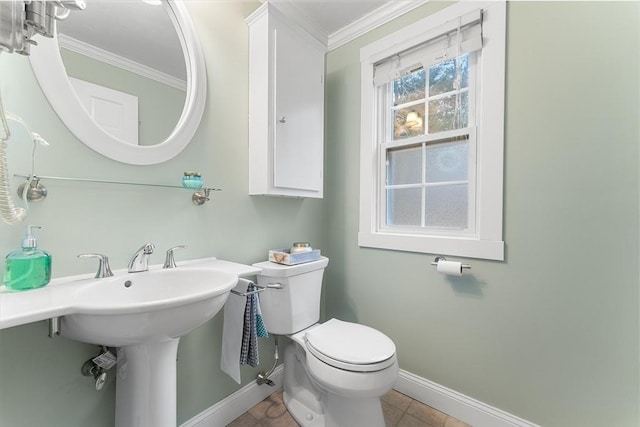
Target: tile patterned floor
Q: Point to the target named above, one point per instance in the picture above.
(399, 411)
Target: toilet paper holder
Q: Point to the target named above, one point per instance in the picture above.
(441, 258)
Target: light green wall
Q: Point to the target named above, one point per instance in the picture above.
(159, 105)
(40, 381)
(551, 334)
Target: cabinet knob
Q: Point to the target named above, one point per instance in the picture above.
(283, 119)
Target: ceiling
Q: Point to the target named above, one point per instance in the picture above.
(336, 22)
(105, 24)
(130, 29)
(333, 15)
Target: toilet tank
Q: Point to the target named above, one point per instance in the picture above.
(297, 305)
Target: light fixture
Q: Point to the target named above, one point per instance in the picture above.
(412, 119)
(22, 20)
(414, 122)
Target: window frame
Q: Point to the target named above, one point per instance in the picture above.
(486, 240)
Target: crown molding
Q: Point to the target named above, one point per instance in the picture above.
(375, 19)
(380, 16)
(292, 11)
(107, 57)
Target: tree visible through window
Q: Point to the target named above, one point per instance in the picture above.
(427, 179)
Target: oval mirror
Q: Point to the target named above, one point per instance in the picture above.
(115, 83)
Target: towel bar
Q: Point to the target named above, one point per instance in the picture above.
(257, 291)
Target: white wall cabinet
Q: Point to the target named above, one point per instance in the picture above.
(286, 107)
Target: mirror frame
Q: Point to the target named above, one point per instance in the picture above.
(51, 74)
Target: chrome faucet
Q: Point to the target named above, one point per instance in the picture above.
(140, 260)
(103, 266)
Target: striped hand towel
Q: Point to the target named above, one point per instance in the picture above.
(249, 352)
(261, 328)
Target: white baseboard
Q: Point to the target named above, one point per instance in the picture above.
(450, 402)
(231, 407)
(456, 404)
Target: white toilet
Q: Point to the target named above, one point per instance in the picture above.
(334, 372)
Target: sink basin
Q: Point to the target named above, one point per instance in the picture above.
(153, 305)
(144, 315)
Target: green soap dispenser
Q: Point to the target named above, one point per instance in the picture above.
(29, 268)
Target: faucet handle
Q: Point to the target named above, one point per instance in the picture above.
(103, 266)
(169, 261)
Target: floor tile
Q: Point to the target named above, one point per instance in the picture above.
(411, 421)
(392, 414)
(397, 399)
(272, 407)
(427, 414)
(284, 420)
(453, 422)
(245, 420)
(399, 411)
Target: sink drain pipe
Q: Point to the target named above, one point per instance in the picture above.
(263, 377)
(96, 367)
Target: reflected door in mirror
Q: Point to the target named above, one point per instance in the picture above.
(114, 111)
(132, 48)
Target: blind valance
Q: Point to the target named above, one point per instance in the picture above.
(454, 38)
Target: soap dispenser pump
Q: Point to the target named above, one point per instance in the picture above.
(29, 268)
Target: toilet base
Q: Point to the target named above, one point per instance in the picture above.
(303, 415)
(352, 412)
(312, 406)
(367, 412)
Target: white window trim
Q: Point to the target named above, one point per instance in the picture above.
(487, 243)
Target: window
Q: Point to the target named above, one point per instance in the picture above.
(426, 150)
(432, 135)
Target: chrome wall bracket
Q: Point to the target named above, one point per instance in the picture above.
(54, 327)
(200, 197)
(32, 190)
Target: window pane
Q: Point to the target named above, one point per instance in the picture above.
(409, 88)
(442, 76)
(447, 206)
(448, 161)
(404, 207)
(404, 165)
(442, 113)
(408, 122)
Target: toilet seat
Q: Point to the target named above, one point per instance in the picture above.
(350, 346)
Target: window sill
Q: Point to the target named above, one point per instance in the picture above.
(439, 245)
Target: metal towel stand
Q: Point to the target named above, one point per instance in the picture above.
(258, 290)
(263, 377)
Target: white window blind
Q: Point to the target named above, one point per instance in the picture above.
(454, 38)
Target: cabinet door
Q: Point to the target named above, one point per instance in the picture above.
(299, 100)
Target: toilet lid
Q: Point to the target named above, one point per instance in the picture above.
(351, 346)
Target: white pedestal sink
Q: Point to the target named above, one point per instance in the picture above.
(144, 315)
